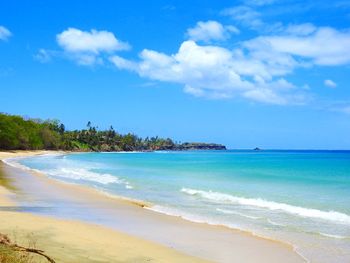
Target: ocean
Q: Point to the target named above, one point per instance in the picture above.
(298, 197)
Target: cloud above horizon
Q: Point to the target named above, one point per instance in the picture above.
(321, 46)
(211, 30)
(85, 47)
(330, 83)
(255, 70)
(5, 34)
(215, 72)
(212, 65)
(245, 16)
(259, 2)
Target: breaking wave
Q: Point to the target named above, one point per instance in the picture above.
(271, 205)
(73, 173)
(83, 174)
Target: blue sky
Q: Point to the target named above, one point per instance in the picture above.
(267, 73)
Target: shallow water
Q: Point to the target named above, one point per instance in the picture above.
(300, 197)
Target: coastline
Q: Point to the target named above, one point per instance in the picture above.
(75, 241)
(229, 244)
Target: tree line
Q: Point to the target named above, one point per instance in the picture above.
(18, 133)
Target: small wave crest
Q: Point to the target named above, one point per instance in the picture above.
(13, 162)
(261, 203)
(87, 175)
(177, 213)
(73, 173)
(332, 236)
(275, 223)
(192, 217)
(230, 212)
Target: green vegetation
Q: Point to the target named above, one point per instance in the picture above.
(17, 133)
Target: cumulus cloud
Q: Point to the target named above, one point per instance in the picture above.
(315, 45)
(321, 46)
(5, 34)
(75, 40)
(330, 83)
(85, 47)
(210, 30)
(255, 70)
(214, 72)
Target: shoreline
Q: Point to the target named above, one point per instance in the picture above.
(255, 241)
(140, 203)
(73, 240)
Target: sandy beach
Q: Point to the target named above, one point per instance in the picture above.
(131, 234)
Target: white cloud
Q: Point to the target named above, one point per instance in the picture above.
(324, 46)
(265, 95)
(43, 56)
(301, 29)
(75, 40)
(295, 44)
(210, 30)
(330, 83)
(5, 34)
(248, 16)
(245, 15)
(214, 72)
(122, 63)
(259, 2)
(256, 69)
(86, 59)
(86, 47)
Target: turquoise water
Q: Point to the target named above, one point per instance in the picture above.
(300, 197)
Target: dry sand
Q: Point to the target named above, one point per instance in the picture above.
(138, 234)
(72, 241)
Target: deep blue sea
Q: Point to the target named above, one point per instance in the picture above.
(299, 197)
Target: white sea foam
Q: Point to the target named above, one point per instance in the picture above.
(274, 223)
(192, 217)
(13, 162)
(333, 236)
(83, 174)
(128, 186)
(175, 212)
(230, 212)
(261, 203)
(73, 173)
